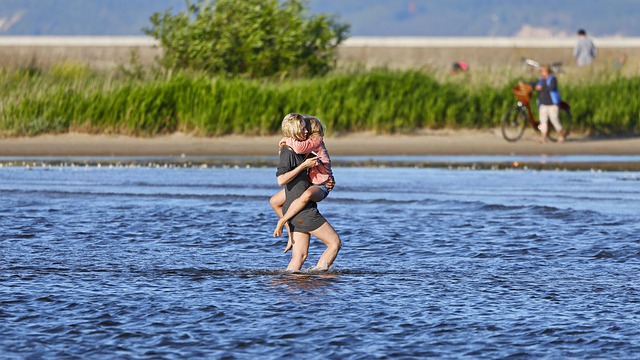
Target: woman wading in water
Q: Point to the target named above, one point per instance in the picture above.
(293, 174)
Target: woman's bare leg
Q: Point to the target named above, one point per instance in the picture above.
(300, 250)
(277, 201)
(330, 238)
(313, 193)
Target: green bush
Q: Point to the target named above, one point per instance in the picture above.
(252, 38)
(611, 107)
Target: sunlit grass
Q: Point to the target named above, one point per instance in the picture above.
(72, 97)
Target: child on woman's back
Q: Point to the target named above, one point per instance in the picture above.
(320, 175)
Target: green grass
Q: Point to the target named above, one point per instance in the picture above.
(71, 97)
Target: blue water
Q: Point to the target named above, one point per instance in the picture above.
(145, 262)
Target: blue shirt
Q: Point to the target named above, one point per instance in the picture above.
(549, 94)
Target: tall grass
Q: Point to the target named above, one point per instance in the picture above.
(71, 97)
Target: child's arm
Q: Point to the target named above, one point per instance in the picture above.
(306, 146)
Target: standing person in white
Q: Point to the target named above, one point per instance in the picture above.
(585, 51)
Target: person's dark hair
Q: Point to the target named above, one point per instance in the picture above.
(582, 32)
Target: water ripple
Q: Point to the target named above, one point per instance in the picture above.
(142, 263)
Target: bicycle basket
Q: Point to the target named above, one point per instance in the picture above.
(522, 92)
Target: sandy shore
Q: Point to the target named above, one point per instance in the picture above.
(432, 142)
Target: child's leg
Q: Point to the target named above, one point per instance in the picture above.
(313, 193)
(276, 202)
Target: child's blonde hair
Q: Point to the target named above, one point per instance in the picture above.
(292, 126)
(315, 125)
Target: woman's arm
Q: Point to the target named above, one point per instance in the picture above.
(537, 86)
(290, 175)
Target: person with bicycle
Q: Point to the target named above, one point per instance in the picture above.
(548, 102)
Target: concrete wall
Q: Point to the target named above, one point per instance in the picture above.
(100, 52)
(392, 52)
(478, 52)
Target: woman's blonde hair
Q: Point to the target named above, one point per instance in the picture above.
(315, 125)
(292, 126)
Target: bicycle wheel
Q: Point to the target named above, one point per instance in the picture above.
(513, 123)
(564, 115)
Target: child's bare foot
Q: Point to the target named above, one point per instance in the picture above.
(278, 231)
(289, 244)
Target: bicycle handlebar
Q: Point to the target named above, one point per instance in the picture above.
(530, 62)
(555, 66)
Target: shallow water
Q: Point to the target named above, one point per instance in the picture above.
(179, 263)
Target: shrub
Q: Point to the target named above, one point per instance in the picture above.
(251, 38)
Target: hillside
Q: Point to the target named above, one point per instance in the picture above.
(541, 18)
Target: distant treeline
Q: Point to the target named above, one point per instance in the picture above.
(74, 98)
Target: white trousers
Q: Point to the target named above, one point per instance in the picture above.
(549, 112)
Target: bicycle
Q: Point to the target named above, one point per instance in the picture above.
(515, 119)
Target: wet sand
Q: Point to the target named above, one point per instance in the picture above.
(431, 142)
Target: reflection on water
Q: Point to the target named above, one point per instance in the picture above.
(301, 282)
(179, 263)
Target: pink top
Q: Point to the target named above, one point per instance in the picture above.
(322, 172)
